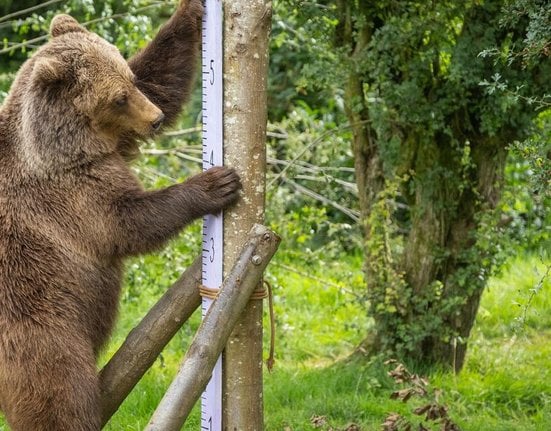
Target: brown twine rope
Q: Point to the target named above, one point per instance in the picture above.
(212, 293)
(258, 294)
(208, 292)
(271, 357)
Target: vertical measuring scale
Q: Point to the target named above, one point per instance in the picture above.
(212, 256)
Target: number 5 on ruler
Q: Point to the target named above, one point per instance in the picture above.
(211, 80)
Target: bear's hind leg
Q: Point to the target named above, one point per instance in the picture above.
(53, 391)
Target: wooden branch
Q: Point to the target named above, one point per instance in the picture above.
(146, 341)
(327, 179)
(353, 214)
(174, 133)
(214, 331)
(27, 10)
(305, 166)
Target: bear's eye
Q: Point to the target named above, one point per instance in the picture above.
(122, 100)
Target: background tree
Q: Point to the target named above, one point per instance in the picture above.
(430, 145)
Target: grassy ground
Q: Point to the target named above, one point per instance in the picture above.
(505, 386)
(506, 383)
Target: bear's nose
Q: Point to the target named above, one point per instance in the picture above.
(157, 123)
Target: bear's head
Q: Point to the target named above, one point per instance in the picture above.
(79, 97)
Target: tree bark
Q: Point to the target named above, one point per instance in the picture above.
(247, 26)
(423, 263)
(441, 264)
(463, 277)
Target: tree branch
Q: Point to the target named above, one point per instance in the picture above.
(146, 341)
(215, 330)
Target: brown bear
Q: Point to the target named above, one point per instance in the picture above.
(71, 209)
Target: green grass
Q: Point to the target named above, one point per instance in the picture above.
(505, 385)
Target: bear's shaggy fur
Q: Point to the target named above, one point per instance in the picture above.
(71, 210)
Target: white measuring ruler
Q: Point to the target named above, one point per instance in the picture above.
(212, 256)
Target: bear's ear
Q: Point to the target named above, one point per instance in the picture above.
(48, 70)
(62, 24)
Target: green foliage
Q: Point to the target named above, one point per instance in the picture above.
(311, 176)
(430, 118)
(301, 32)
(536, 42)
(507, 310)
(5, 83)
(125, 23)
(526, 201)
(387, 293)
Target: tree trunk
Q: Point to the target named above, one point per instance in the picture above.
(367, 163)
(463, 273)
(433, 311)
(247, 26)
(423, 264)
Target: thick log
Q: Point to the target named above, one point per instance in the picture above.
(247, 25)
(214, 331)
(146, 341)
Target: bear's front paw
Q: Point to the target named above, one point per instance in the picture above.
(220, 186)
